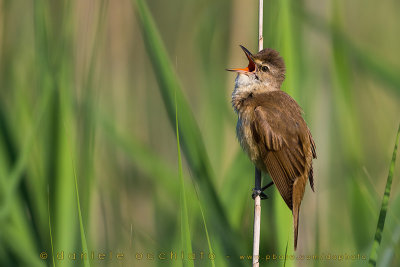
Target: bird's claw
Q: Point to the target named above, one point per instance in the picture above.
(258, 193)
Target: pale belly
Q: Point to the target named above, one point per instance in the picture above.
(246, 140)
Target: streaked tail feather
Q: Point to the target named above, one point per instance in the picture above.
(298, 192)
(296, 210)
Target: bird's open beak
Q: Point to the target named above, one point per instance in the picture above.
(251, 67)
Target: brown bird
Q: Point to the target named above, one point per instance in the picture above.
(271, 129)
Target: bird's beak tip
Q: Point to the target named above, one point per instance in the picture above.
(250, 67)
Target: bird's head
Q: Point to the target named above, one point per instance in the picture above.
(265, 67)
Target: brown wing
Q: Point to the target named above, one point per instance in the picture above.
(314, 154)
(284, 143)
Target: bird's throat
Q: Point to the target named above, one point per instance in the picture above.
(248, 86)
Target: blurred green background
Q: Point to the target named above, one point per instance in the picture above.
(88, 97)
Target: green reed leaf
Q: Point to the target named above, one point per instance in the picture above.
(384, 207)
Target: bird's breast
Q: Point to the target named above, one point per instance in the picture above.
(244, 133)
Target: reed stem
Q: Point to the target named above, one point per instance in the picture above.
(257, 183)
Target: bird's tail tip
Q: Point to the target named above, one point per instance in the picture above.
(296, 225)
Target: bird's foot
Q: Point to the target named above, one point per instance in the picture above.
(260, 192)
(257, 192)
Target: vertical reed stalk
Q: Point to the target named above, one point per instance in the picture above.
(257, 200)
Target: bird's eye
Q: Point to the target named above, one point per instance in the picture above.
(264, 68)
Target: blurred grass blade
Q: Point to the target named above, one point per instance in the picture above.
(366, 60)
(205, 224)
(51, 236)
(16, 174)
(205, 228)
(192, 141)
(347, 117)
(88, 130)
(287, 48)
(185, 229)
(82, 229)
(143, 157)
(211, 56)
(385, 203)
(234, 182)
(54, 43)
(286, 254)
